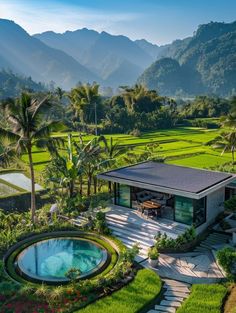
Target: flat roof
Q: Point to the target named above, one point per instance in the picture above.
(154, 174)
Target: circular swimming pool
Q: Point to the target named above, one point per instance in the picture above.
(50, 260)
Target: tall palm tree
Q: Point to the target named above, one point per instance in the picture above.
(226, 142)
(230, 119)
(59, 93)
(112, 151)
(83, 100)
(26, 117)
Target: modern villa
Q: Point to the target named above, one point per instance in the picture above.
(184, 195)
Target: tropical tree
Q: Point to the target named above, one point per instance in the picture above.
(140, 99)
(28, 127)
(226, 142)
(64, 169)
(93, 160)
(112, 151)
(59, 93)
(230, 119)
(7, 153)
(84, 100)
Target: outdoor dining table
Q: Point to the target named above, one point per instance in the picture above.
(151, 207)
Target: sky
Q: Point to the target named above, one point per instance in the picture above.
(158, 21)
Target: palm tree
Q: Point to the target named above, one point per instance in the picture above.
(7, 153)
(230, 119)
(112, 151)
(83, 100)
(26, 117)
(59, 93)
(140, 99)
(131, 96)
(91, 153)
(65, 169)
(226, 142)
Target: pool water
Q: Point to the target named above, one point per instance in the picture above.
(51, 259)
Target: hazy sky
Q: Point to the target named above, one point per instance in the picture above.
(159, 21)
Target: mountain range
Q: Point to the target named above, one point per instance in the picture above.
(203, 63)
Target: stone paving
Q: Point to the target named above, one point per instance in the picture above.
(192, 268)
(175, 293)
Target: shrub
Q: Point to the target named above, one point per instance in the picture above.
(224, 225)
(231, 204)
(227, 259)
(129, 254)
(8, 288)
(163, 242)
(100, 225)
(153, 253)
(135, 132)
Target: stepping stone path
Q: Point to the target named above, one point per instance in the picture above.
(174, 294)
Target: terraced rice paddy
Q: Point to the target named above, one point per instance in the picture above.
(181, 146)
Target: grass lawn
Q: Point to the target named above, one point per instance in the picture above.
(130, 299)
(204, 299)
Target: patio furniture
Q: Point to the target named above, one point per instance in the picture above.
(151, 208)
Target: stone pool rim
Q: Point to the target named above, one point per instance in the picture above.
(12, 253)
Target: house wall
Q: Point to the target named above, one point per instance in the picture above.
(215, 205)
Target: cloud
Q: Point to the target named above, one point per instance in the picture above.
(43, 16)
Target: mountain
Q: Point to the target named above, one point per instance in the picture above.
(208, 59)
(150, 48)
(107, 55)
(11, 85)
(27, 55)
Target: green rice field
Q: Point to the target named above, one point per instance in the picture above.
(185, 146)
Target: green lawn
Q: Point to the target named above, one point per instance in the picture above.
(204, 299)
(130, 299)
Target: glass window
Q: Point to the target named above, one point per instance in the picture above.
(122, 195)
(199, 211)
(183, 210)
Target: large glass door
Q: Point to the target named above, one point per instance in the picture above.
(122, 196)
(183, 210)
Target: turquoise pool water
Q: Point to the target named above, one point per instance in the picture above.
(50, 259)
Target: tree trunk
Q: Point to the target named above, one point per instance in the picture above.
(33, 201)
(95, 184)
(81, 185)
(71, 189)
(89, 185)
(109, 186)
